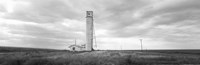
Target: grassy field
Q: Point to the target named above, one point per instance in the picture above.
(32, 56)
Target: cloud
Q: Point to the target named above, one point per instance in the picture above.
(2, 9)
(41, 11)
(172, 22)
(165, 13)
(170, 6)
(161, 23)
(51, 35)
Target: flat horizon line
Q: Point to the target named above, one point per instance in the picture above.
(95, 50)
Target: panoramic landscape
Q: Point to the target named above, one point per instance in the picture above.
(99, 32)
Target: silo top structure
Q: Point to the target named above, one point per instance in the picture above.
(89, 30)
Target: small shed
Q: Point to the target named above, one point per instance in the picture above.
(76, 48)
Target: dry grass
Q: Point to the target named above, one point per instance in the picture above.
(98, 58)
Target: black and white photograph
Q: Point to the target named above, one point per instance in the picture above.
(99, 32)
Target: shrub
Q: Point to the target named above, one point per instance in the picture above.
(14, 61)
(75, 63)
(39, 61)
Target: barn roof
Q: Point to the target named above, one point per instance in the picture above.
(75, 46)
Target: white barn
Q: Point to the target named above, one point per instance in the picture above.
(76, 48)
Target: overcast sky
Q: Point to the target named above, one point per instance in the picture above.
(162, 24)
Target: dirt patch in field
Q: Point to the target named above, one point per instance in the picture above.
(105, 53)
(150, 56)
(110, 54)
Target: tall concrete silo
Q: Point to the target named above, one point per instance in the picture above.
(89, 30)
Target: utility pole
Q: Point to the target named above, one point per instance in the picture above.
(141, 44)
(94, 36)
(75, 41)
(121, 45)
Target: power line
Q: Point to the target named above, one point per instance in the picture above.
(141, 44)
(95, 41)
(75, 41)
(121, 45)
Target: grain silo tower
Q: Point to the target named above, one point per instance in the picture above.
(89, 30)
